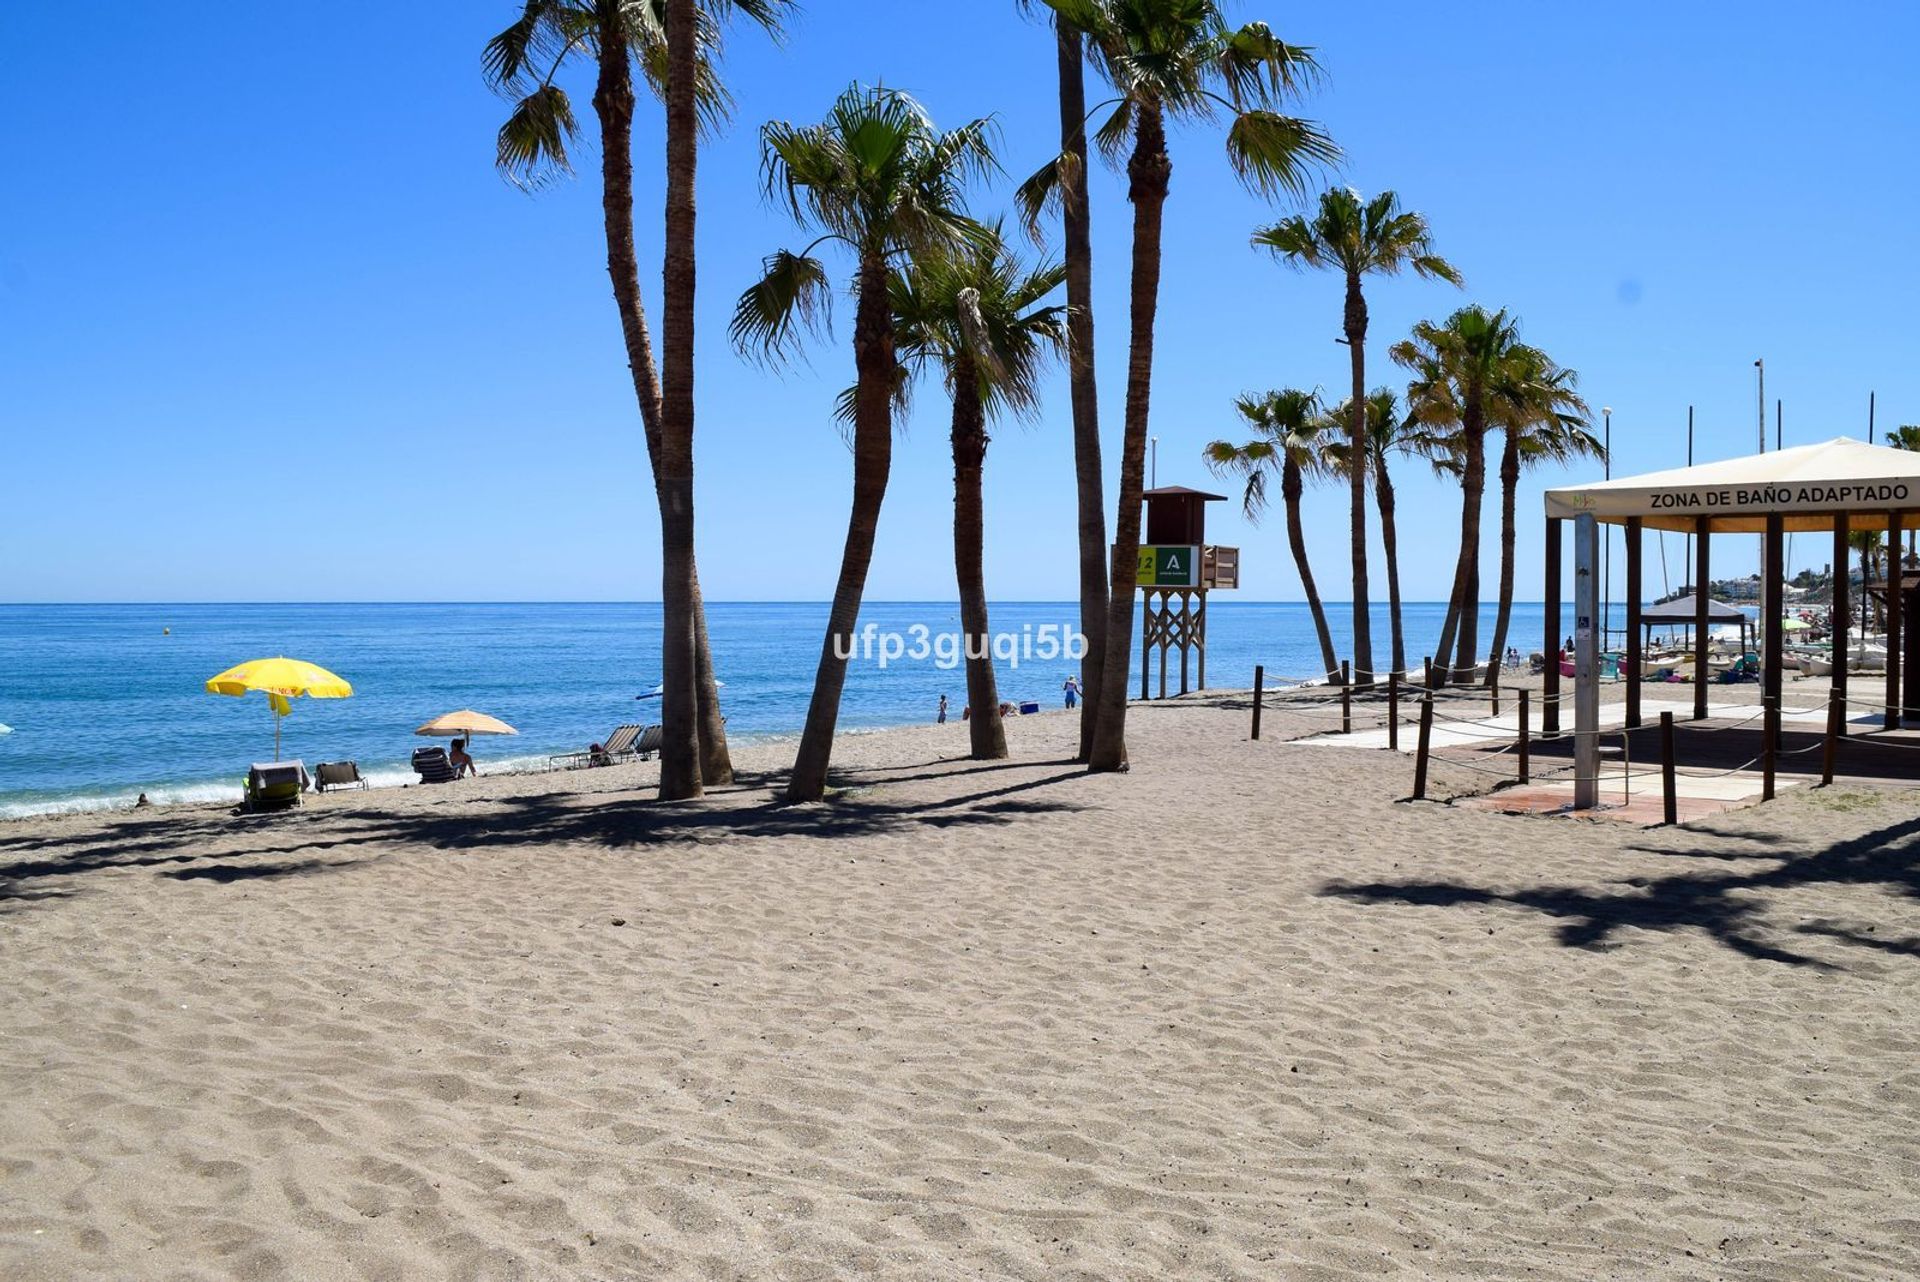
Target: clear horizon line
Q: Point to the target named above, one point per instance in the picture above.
(25, 605)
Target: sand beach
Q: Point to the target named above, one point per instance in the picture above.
(1240, 1013)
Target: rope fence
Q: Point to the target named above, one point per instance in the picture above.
(1439, 705)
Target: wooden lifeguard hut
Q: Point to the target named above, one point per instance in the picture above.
(1177, 568)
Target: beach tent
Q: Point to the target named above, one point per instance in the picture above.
(1841, 486)
(1684, 612)
(1807, 486)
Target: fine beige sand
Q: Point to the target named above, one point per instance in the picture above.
(1237, 1014)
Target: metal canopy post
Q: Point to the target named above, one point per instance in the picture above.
(1841, 624)
(1701, 572)
(1586, 664)
(1773, 630)
(1894, 613)
(1550, 646)
(1635, 650)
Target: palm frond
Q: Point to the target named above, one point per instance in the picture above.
(507, 60)
(1112, 136)
(792, 296)
(1042, 193)
(531, 149)
(1278, 155)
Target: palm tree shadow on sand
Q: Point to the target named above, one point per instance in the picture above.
(176, 846)
(1730, 908)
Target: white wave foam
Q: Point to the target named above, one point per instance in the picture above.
(192, 794)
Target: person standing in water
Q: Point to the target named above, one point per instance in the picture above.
(940, 717)
(1072, 687)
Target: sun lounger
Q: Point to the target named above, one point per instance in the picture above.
(432, 766)
(337, 774)
(275, 785)
(626, 743)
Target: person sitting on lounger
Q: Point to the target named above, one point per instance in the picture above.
(462, 763)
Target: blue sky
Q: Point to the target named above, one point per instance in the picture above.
(271, 327)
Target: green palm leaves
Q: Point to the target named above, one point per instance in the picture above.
(1474, 372)
(1289, 424)
(1358, 237)
(979, 313)
(524, 63)
(1182, 60)
(876, 175)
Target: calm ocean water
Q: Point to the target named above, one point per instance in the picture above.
(105, 705)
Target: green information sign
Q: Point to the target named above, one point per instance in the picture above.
(1169, 566)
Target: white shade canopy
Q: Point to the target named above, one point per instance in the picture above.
(1811, 485)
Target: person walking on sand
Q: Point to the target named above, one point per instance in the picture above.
(940, 717)
(1072, 686)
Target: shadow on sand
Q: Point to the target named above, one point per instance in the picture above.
(747, 810)
(1728, 907)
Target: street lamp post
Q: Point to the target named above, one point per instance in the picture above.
(1153, 474)
(1606, 553)
(1760, 406)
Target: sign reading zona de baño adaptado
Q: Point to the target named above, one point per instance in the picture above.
(1776, 497)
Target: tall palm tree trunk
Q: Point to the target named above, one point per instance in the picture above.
(986, 735)
(679, 702)
(873, 359)
(1473, 485)
(1078, 247)
(1390, 540)
(1450, 625)
(1509, 487)
(1149, 172)
(613, 103)
(1290, 488)
(716, 763)
(1355, 323)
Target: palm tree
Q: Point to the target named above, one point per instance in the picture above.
(1063, 182)
(1358, 238)
(1872, 544)
(1544, 420)
(1176, 59)
(1290, 426)
(880, 179)
(524, 63)
(1388, 434)
(1456, 369)
(977, 316)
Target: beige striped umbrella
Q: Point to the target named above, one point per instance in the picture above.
(455, 725)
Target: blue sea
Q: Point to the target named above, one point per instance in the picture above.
(108, 701)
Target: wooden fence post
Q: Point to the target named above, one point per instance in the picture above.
(1259, 686)
(1836, 717)
(1494, 690)
(1346, 696)
(1526, 746)
(1429, 670)
(1393, 711)
(1670, 801)
(1420, 754)
(1769, 741)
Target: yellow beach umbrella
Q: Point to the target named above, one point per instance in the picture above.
(453, 725)
(282, 680)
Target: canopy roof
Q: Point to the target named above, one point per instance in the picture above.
(1680, 610)
(1812, 485)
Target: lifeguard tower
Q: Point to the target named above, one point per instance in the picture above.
(1178, 567)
